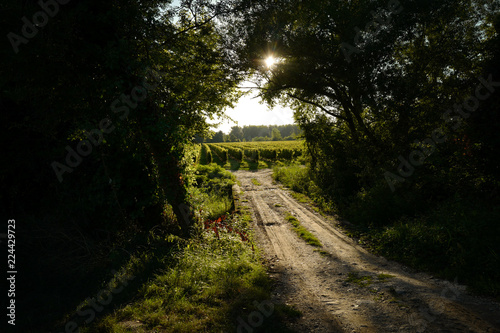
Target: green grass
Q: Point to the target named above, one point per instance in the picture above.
(202, 284)
(211, 283)
(298, 179)
(246, 164)
(384, 277)
(301, 197)
(234, 164)
(360, 280)
(302, 232)
(462, 240)
(323, 253)
(256, 182)
(207, 284)
(366, 280)
(460, 234)
(213, 193)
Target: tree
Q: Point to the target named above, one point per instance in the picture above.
(379, 87)
(260, 132)
(98, 110)
(218, 137)
(276, 134)
(236, 134)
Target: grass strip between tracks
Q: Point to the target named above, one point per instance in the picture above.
(303, 232)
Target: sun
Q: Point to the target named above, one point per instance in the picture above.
(270, 61)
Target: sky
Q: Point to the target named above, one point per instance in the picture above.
(249, 111)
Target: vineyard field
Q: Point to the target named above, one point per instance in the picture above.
(252, 155)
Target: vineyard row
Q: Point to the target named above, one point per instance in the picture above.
(239, 151)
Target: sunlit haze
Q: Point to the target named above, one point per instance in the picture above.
(248, 111)
(270, 61)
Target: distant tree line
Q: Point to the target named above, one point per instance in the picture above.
(256, 133)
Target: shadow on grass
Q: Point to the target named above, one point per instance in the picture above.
(234, 164)
(246, 164)
(269, 164)
(247, 309)
(216, 160)
(252, 165)
(119, 289)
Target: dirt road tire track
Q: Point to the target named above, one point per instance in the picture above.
(316, 284)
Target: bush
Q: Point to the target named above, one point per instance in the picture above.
(461, 237)
(378, 206)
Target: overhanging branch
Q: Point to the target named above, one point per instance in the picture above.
(322, 108)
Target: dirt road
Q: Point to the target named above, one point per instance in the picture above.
(345, 288)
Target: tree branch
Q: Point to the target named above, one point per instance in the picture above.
(318, 106)
(196, 25)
